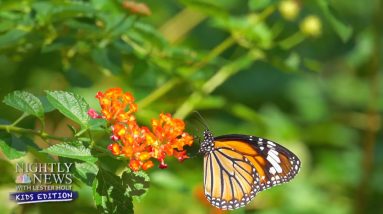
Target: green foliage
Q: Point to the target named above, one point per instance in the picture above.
(249, 67)
(25, 102)
(344, 31)
(258, 5)
(86, 172)
(113, 194)
(72, 106)
(73, 150)
(14, 147)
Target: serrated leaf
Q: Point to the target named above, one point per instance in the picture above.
(136, 183)
(46, 105)
(71, 150)
(86, 172)
(110, 194)
(25, 102)
(71, 105)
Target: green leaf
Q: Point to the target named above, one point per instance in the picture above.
(344, 31)
(74, 150)
(71, 105)
(86, 172)
(258, 4)
(25, 102)
(11, 38)
(7, 171)
(55, 11)
(13, 147)
(147, 33)
(46, 105)
(110, 194)
(136, 183)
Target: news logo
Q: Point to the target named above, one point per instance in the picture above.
(43, 182)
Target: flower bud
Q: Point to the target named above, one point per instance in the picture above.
(311, 26)
(93, 114)
(289, 9)
(147, 165)
(135, 165)
(163, 165)
(114, 148)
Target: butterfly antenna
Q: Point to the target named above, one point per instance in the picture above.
(201, 120)
(195, 154)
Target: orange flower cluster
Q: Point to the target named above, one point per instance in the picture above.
(138, 143)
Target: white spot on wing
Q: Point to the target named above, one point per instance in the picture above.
(274, 164)
(272, 170)
(274, 154)
(271, 143)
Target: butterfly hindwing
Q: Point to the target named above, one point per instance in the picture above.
(237, 180)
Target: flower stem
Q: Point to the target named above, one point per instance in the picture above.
(43, 135)
(220, 48)
(166, 87)
(158, 92)
(220, 77)
(92, 142)
(292, 40)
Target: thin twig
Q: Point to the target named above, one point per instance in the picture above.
(43, 135)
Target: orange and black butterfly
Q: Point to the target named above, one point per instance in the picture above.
(237, 167)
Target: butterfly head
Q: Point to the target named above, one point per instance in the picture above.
(207, 144)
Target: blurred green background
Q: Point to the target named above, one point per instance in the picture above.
(307, 74)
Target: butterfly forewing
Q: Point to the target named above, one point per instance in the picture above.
(274, 163)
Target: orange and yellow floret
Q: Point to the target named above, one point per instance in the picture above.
(138, 143)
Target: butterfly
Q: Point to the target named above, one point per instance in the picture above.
(237, 167)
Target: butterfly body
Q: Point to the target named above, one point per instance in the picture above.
(237, 167)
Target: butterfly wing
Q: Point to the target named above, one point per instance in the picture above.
(230, 179)
(274, 163)
(239, 166)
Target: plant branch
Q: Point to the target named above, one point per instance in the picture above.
(158, 92)
(220, 77)
(166, 87)
(41, 134)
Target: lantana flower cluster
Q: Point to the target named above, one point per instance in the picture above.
(139, 143)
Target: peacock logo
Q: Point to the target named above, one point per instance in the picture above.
(23, 179)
